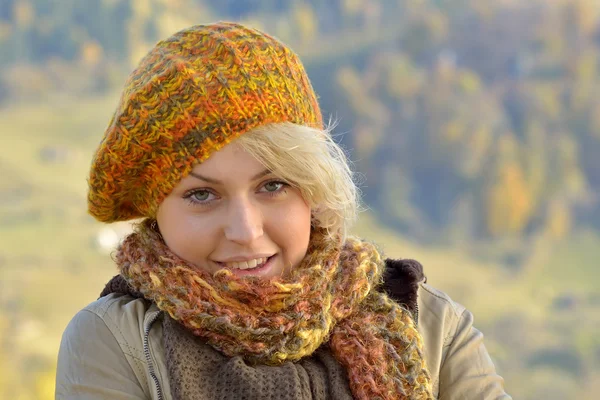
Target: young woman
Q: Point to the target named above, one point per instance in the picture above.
(240, 281)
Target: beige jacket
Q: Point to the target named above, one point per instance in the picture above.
(113, 349)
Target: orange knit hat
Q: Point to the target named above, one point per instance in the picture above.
(191, 95)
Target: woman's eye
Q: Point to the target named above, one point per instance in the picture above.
(273, 186)
(200, 195)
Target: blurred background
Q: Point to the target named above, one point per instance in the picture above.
(475, 125)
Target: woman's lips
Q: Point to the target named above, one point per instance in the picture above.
(256, 271)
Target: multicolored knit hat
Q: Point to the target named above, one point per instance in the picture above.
(191, 95)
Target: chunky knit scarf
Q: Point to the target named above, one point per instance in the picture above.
(331, 299)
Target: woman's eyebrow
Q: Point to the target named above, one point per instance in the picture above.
(218, 182)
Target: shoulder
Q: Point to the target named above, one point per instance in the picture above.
(118, 306)
(405, 282)
(456, 356)
(438, 303)
(108, 330)
(439, 319)
(115, 318)
(102, 347)
(439, 315)
(112, 309)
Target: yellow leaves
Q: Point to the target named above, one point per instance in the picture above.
(362, 102)
(23, 13)
(548, 100)
(44, 385)
(306, 21)
(438, 24)
(480, 142)
(5, 30)
(587, 67)
(536, 161)
(348, 79)
(403, 79)
(454, 130)
(552, 40)
(574, 184)
(541, 178)
(91, 53)
(366, 141)
(584, 71)
(352, 7)
(469, 82)
(585, 14)
(141, 9)
(508, 146)
(427, 28)
(509, 201)
(559, 220)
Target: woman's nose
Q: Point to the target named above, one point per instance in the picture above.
(245, 222)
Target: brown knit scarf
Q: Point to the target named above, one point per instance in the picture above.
(331, 304)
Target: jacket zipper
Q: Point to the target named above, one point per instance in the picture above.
(416, 315)
(149, 358)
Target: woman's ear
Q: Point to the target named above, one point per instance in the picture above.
(153, 224)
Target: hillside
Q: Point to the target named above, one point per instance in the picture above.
(474, 125)
(52, 264)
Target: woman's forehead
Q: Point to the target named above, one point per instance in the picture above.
(232, 162)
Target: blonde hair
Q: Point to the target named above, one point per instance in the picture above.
(311, 161)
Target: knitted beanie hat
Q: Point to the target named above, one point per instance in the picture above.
(191, 95)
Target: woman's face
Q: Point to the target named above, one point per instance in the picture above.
(231, 212)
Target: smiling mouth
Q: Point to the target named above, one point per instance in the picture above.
(254, 264)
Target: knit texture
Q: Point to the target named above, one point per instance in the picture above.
(199, 372)
(331, 298)
(191, 95)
